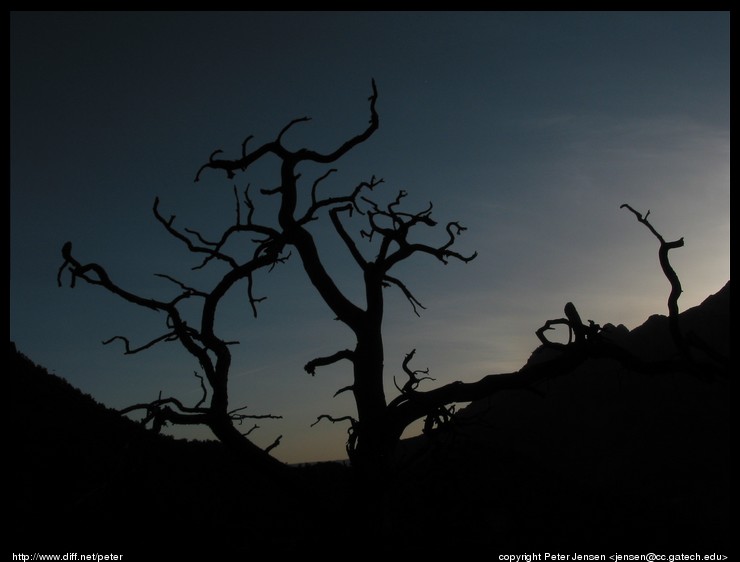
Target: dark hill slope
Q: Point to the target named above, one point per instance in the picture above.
(603, 458)
(84, 478)
(710, 321)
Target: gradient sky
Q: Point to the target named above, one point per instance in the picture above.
(529, 128)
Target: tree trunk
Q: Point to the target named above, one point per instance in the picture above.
(374, 448)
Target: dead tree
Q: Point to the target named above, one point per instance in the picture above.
(373, 432)
(200, 340)
(379, 423)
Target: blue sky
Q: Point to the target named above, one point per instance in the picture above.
(529, 128)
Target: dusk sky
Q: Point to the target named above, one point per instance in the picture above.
(530, 129)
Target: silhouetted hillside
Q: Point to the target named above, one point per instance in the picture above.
(710, 321)
(603, 459)
(83, 477)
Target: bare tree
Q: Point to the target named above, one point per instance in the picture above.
(391, 236)
(379, 423)
(211, 351)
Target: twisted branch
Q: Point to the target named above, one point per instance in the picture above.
(171, 336)
(332, 419)
(163, 401)
(276, 147)
(413, 383)
(549, 326)
(101, 278)
(672, 277)
(310, 367)
(331, 201)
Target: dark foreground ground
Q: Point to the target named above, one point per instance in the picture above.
(603, 461)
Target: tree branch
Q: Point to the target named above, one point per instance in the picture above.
(411, 298)
(131, 351)
(413, 383)
(316, 184)
(346, 238)
(250, 205)
(187, 291)
(211, 252)
(276, 147)
(163, 401)
(402, 223)
(274, 444)
(344, 389)
(306, 154)
(159, 413)
(254, 427)
(549, 326)
(203, 387)
(310, 367)
(289, 125)
(330, 201)
(239, 417)
(672, 277)
(351, 431)
(252, 300)
(229, 166)
(350, 419)
(101, 278)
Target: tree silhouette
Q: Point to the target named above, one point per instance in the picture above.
(201, 340)
(379, 423)
(391, 235)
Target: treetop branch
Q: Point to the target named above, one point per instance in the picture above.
(276, 147)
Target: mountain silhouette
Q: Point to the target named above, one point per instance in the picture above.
(603, 458)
